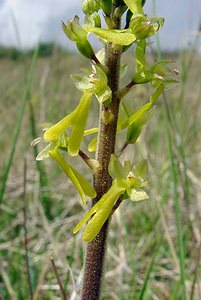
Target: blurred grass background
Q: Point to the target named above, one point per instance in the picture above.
(154, 246)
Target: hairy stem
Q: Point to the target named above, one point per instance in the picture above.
(94, 261)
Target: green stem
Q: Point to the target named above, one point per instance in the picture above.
(95, 253)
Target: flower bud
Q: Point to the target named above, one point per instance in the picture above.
(85, 48)
(90, 6)
(136, 20)
(73, 30)
(142, 77)
(144, 27)
(92, 20)
(77, 34)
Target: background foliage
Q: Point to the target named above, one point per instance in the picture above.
(144, 236)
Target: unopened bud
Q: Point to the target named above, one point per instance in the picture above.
(93, 20)
(77, 34)
(73, 30)
(85, 48)
(144, 27)
(90, 6)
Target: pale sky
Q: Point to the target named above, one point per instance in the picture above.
(40, 20)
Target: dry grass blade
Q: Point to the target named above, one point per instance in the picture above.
(196, 274)
(45, 264)
(18, 125)
(7, 283)
(177, 208)
(26, 231)
(58, 279)
(149, 270)
(167, 235)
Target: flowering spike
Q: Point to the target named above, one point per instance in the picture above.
(102, 81)
(126, 183)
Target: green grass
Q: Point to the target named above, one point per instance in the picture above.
(177, 209)
(17, 125)
(144, 246)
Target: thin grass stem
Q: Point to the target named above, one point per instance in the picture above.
(63, 294)
(174, 175)
(43, 179)
(26, 231)
(18, 123)
(149, 270)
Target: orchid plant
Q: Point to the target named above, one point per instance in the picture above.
(113, 182)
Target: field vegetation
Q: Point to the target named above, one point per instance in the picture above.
(155, 245)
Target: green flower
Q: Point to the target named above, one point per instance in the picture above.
(53, 150)
(127, 183)
(95, 83)
(80, 183)
(144, 27)
(77, 120)
(140, 117)
(158, 73)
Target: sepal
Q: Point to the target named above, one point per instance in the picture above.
(116, 170)
(77, 119)
(122, 37)
(140, 55)
(80, 183)
(137, 195)
(95, 83)
(135, 6)
(100, 212)
(126, 184)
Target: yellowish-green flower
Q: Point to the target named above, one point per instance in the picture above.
(80, 183)
(77, 120)
(53, 150)
(127, 184)
(95, 83)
